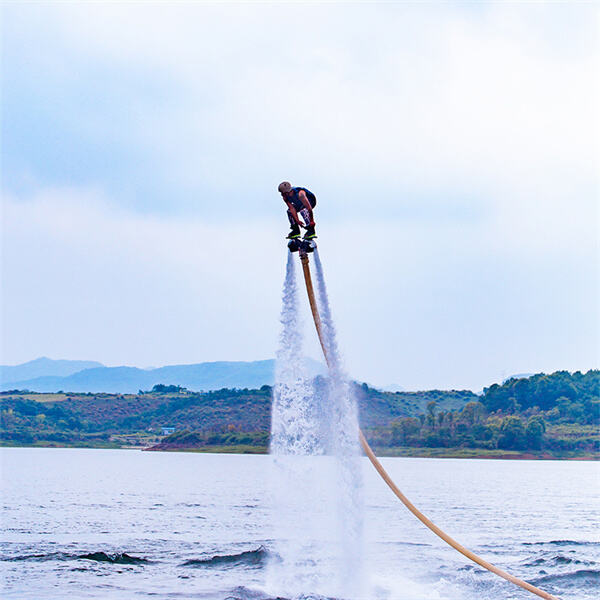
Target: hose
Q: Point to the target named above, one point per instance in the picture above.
(385, 476)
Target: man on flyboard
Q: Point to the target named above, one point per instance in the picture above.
(300, 203)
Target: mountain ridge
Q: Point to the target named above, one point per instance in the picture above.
(204, 376)
(44, 367)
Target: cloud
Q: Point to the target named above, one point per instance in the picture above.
(423, 306)
(83, 277)
(402, 103)
(454, 152)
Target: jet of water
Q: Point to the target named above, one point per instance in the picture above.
(314, 446)
(343, 440)
(293, 419)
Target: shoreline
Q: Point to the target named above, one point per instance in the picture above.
(398, 452)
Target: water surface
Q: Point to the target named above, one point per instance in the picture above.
(104, 524)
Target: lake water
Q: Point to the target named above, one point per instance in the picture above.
(120, 524)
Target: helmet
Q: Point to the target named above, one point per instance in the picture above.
(285, 187)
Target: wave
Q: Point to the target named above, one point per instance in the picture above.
(559, 559)
(244, 593)
(36, 557)
(582, 577)
(256, 557)
(562, 543)
(120, 558)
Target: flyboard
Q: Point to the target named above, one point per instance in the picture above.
(304, 248)
(301, 245)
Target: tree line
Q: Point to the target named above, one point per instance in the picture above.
(558, 412)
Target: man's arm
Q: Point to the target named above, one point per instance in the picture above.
(294, 214)
(304, 199)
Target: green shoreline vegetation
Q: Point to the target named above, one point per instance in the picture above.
(554, 416)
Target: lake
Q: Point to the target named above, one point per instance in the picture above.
(80, 523)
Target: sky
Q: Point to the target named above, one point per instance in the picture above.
(453, 149)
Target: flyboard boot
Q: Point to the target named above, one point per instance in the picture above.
(294, 232)
(308, 243)
(294, 237)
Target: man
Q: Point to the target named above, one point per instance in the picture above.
(300, 203)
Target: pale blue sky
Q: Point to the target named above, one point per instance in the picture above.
(453, 149)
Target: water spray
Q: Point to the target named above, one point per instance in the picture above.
(312, 421)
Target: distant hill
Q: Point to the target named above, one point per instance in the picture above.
(392, 387)
(247, 410)
(517, 376)
(555, 416)
(377, 408)
(128, 380)
(44, 367)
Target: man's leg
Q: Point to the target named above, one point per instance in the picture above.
(294, 229)
(310, 230)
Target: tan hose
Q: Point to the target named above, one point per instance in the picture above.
(384, 475)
